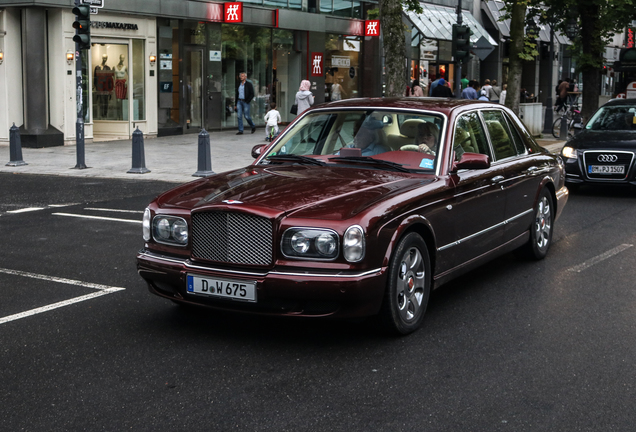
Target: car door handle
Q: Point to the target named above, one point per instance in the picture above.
(531, 170)
(497, 179)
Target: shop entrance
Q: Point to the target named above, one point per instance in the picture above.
(193, 102)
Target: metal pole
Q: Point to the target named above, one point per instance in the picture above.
(79, 125)
(458, 64)
(549, 119)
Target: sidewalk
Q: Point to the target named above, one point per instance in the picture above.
(171, 159)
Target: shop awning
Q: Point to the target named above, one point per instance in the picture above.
(495, 10)
(436, 22)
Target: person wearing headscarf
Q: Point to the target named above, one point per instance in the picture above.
(304, 98)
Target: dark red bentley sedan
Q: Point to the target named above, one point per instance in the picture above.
(360, 207)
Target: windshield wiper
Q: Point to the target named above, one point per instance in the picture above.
(295, 158)
(370, 161)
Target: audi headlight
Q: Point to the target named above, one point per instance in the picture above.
(569, 152)
(311, 243)
(353, 245)
(170, 230)
(146, 225)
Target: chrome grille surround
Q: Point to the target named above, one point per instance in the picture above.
(233, 238)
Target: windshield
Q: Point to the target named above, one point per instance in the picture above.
(613, 118)
(335, 136)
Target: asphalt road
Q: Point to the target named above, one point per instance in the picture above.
(513, 346)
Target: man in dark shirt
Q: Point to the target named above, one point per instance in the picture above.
(442, 90)
(244, 95)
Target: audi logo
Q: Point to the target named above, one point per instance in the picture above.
(607, 158)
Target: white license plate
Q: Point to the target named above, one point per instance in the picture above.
(225, 288)
(606, 169)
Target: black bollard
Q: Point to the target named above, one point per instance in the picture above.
(138, 157)
(15, 147)
(204, 167)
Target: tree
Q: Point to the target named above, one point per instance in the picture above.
(597, 20)
(393, 40)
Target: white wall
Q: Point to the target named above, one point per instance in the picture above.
(11, 106)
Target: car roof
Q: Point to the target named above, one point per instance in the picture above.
(619, 102)
(444, 105)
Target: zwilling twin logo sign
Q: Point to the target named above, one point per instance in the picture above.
(372, 28)
(233, 12)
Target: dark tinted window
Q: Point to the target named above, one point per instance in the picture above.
(500, 135)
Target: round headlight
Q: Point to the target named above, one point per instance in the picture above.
(326, 244)
(300, 243)
(146, 225)
(180, 231)
(163, 229)
(353, 244)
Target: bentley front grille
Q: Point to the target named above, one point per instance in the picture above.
(234, 238)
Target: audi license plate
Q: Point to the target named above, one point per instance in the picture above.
(606, 169)
(225, 288)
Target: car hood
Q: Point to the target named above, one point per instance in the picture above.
(593, 139)
(304, 191)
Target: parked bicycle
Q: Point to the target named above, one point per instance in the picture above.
(573, 117)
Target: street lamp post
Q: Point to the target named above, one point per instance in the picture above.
(547, 124)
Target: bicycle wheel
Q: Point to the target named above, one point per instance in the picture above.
(556, 128)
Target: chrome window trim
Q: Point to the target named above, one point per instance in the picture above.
(484, 231)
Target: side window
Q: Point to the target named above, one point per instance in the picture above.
(502, 143)
(516, 137)
(470, 136)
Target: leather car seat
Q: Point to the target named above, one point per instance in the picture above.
(408, 130)
(465, 141)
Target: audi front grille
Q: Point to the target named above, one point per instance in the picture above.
(611, 158)
(233, 238)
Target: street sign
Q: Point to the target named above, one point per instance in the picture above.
(482, 48)
(93, 3)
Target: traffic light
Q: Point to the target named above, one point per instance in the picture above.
(82, 26)
(461, 43)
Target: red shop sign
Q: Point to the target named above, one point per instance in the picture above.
(372, 28)
(234, 12)
(316, 64)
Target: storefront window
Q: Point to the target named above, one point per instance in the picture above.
(246, 49)
(139, 82)
(168, 46)
(342, 55)
(342, 8)
(286, 79)
(110, 82)
(326, 6)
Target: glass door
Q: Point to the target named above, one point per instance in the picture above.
(193, 90)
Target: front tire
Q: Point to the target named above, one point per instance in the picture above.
(408, 286)
(542, 226)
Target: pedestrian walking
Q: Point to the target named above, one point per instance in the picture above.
(470, 92)
(244, 95)
(416, 89)
(494, 93)
(485, 90)
(272, 118)
(442, 89)
(504, 92)
(304, 97)
(465, 82)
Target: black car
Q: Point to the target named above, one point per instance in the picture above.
(603, 152)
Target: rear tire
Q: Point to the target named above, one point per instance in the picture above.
(408, 287)
(556, 128)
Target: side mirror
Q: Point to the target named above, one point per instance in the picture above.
(257, 150)
(472, 161)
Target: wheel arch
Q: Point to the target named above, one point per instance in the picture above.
(419, 225)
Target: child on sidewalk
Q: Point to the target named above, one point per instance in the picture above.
(272, 118)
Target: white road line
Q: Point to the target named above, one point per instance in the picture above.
(602, 257)
(57, 305)
(97, 217)
(56, 279)
(24, 210)
(114, 210)
(101, 290)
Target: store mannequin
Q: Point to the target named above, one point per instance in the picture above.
(103, 80)
(121, 89)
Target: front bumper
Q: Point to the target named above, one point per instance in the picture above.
(280, 291)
